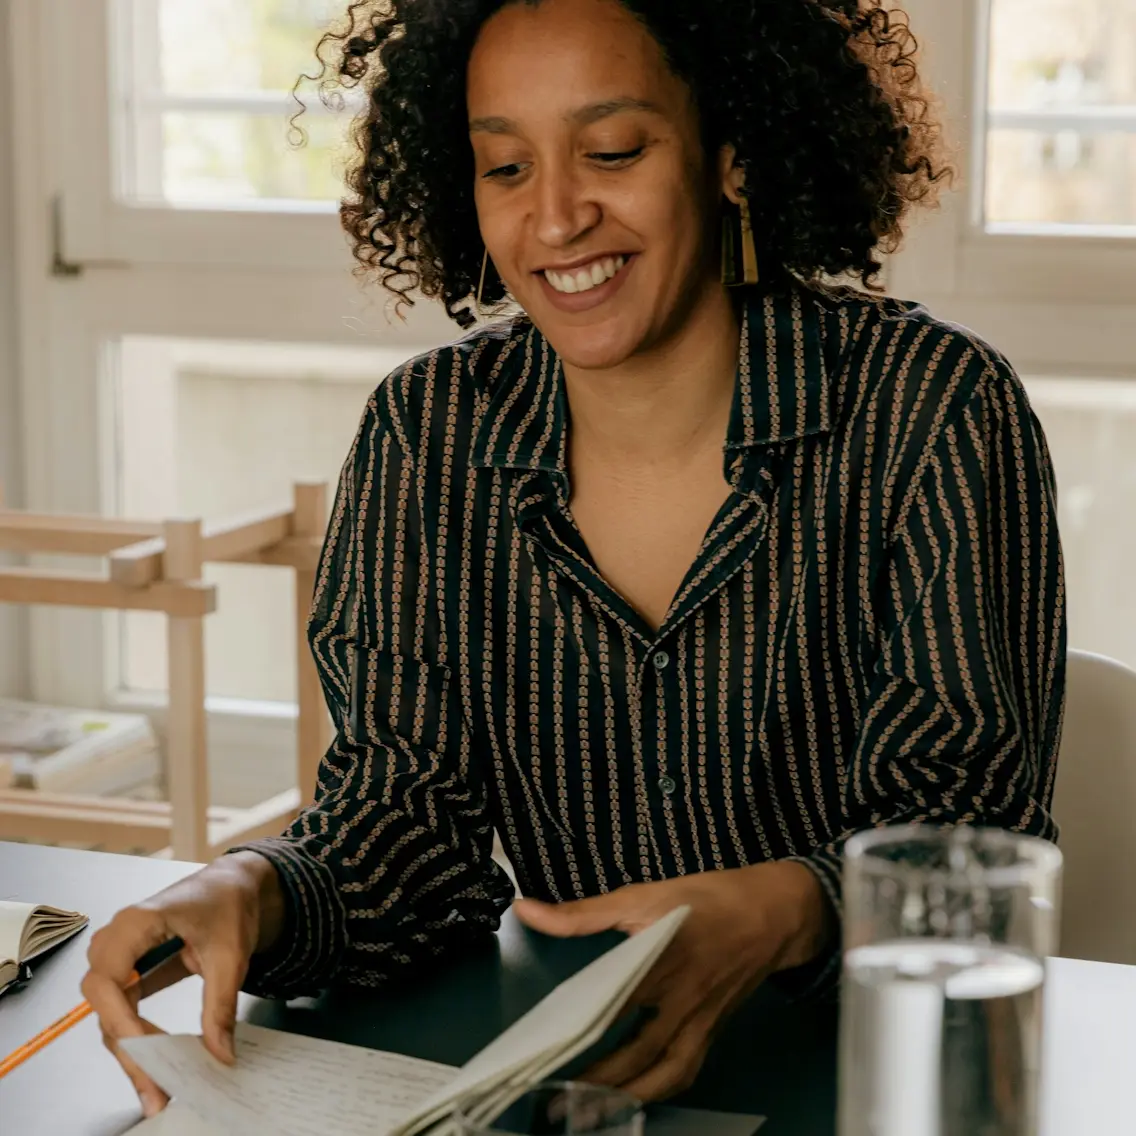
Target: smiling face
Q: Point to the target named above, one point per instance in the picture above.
(595, 199)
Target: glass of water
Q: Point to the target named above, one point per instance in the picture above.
(945, 933)
(554, 1108)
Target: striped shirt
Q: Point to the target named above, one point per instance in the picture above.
(873, 631)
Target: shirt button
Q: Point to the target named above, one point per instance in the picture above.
(661, 660)
(667, 786)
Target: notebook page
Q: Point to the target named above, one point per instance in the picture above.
(287, 1085)
(13, 918)
(561, 1025)
(47, 927)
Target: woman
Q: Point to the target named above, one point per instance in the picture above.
(674, 583)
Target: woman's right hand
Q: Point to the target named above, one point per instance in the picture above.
(225, 913)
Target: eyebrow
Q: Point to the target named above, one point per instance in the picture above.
(584, 116)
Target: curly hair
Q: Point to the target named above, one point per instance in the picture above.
(821, 99)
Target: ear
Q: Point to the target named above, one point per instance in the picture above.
(730, 174)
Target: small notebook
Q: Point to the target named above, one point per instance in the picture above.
(28, 930)
(289, 1085)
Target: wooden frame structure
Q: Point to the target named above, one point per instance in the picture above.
(158, 566)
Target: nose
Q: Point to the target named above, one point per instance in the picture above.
(563, 209)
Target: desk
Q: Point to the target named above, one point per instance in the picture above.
(771, 1059)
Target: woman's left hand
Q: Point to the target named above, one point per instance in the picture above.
(744, 925)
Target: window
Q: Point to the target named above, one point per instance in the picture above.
(216, 429)
(1061, 117)
(205, 103)
(201, 269)
(1091, 428)
(202, 342)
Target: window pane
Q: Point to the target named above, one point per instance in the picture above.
(1043, 178)
(239, 157)
(1062, 113)
(216, 430)
(1091, 427)
(207, 104)
(207, 46)
(1063, 53)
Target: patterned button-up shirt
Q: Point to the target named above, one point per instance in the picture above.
(872, 632)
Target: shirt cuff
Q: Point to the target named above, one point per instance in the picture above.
(313, 937)
(819, 980)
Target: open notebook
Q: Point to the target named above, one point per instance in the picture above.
(27, 930)
(289, 1085)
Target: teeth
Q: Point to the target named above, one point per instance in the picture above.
(585, 279)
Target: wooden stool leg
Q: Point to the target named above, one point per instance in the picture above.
(186, 748)
(313, 729)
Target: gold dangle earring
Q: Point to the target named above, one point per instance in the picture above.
(750, 273)
(738, 243)
(729, 252)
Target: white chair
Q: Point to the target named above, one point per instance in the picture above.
(1095, 805)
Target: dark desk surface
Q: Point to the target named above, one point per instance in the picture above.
(771, 1059)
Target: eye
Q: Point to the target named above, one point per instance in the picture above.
(509, 172)
(614, 159)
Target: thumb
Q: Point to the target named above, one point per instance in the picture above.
(223, 971)
(568, 920)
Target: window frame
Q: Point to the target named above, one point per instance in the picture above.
(90, 271)
(1056, 305)
(100, 229)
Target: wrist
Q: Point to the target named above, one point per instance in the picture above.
(264, 895)
(797, 910)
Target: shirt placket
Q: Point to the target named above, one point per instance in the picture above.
(733, 540)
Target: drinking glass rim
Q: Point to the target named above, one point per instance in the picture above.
(1040, 855)
(633, 1104)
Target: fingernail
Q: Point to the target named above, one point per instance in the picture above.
(151, 1105)
(229, 1045)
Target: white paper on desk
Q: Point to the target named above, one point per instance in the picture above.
(558, 1028)
(295, 1086)
(289, 1085)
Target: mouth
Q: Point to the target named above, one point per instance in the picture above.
(571, 282)
(588, 285)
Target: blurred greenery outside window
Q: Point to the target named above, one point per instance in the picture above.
(1061, 122)
(208, 110)
(208, 104)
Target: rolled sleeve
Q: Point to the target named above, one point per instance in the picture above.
(313, 935)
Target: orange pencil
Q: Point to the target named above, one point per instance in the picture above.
(147, 964)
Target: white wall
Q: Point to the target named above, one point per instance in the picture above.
(12, 620)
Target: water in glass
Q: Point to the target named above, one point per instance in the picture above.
(940, 1038)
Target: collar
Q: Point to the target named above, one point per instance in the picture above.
(781, 393)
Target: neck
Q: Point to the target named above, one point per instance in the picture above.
(665, 404)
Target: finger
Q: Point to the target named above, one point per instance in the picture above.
(579, 917)
(223, 969)
(116, 948)
(677, 1069)
(116, 1007)
(642, 1051)
(173, 970)
(149, 1093)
